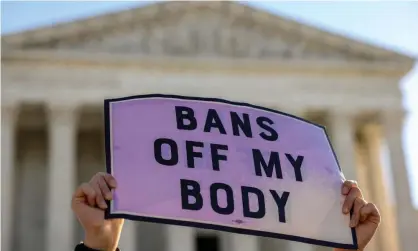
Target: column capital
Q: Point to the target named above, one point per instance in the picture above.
(57, 105)
(393, 119)
(294, 110)
(347, 121)
(343, 116)
(342, 125)
(9, 111)
(62, 112)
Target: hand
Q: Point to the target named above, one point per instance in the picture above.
(365, 218)
(88, 204)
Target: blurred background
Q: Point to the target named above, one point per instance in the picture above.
(347, 65)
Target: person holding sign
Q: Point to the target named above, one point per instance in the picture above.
(89, 205)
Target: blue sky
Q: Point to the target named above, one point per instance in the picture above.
(392, 25)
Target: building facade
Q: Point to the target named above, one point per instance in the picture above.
(54, 81)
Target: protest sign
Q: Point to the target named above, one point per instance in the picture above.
(216, 164)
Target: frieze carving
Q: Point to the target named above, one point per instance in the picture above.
(206, 33)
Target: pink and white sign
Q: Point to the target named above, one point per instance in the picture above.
(227, 166)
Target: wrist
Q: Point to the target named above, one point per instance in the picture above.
(83, 247)
(101, 242)
(339, 249)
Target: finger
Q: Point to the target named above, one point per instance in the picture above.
(370, 212)
(110, 180)
(347, 185)
(100, 201)
(86, 191)
(350, 198)
(104, 188)
(358, 205)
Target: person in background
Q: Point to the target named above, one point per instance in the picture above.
(89, 204)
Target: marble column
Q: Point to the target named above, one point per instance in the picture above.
(180, 238)
(61, 181)
(343, 141)
(128, 238)
(291, 245)
(241, 242)
(406, 215)
(8, 131)
(363, 178)
(386, 237)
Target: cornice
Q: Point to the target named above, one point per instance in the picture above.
(205, 65)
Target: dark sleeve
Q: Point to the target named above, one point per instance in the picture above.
(82, 247)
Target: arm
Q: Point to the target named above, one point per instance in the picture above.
(365, 218)
(89, 205)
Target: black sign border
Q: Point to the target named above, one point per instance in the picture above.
(109, 215)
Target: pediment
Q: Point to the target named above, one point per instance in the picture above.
(196, 29)
(206, 32)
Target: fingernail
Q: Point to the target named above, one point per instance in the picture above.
(346, 210)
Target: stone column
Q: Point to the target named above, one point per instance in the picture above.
(291, 245)
(8, 130)
(180, 238)
(406, 215)
(298, 246)
(128, 236)
(364, 180)
(241, 242)
(61, 180)
(342, 136)
(386, 238)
